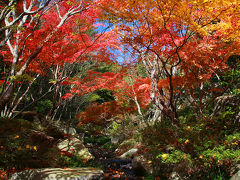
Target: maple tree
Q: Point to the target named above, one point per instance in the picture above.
(176, 93)
(47, 38)
(181, 43)
(129, 92)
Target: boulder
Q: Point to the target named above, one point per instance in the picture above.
(40, 137)
(141, 166)
(130, 153)
(70, 131)
(59, 174)
(117, 139)
(43, 141)
(75, 146)
(175, 176)
(236, 176)
(125, 146)
(55, 131)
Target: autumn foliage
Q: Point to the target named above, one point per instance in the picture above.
(45, 40)
(162, 72)
(181, 43)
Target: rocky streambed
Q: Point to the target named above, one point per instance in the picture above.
(110, 166)
(114, 167)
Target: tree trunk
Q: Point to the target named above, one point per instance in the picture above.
(6, 96)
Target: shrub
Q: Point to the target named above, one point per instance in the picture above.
(74, 161)
(207, 148)
(43, 106)
(18, 151)
(100, 140)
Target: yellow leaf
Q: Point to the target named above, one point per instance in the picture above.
(52, 82)
(13, 77)
(164, 156)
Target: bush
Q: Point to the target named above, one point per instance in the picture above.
(125, 127)
(15, 149)
(196, 149)
(176, 156)
(43, 106)
(99, 140)
(18, 151)
(109, 146)
(74, 161)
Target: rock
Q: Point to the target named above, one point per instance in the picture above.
(116, 139)
(59, 174)
(38, 137)
(30, 115)
(71, 144)
(140, 166)
(130, 153)
(75, 146)
(227, 101)
(175, 176)
(125, 146)
(55, 131)
(85, 154)
(236, 176)
(118, 169)
(70, 131)
(44, 142)
(118, 163)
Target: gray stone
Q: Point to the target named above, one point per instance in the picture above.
(117, 139)
(126, 145)
(59, 174)
(130, 153)
(237, 175)
(140, 164)
(175, 176)
(70, 131)
(75, 146)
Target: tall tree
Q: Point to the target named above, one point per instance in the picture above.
(181, 43)
(41, 35)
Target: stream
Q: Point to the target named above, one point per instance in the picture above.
(113, 167)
